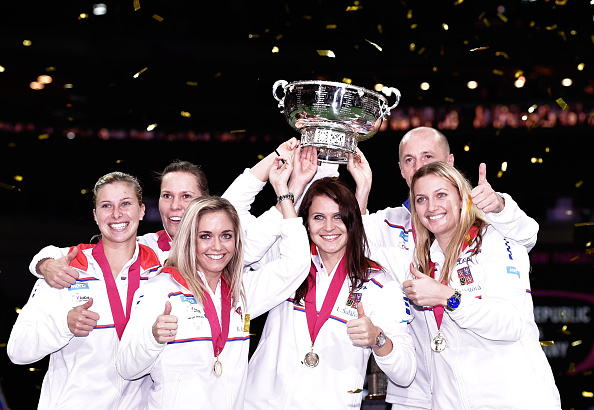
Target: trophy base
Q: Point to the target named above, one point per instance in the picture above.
(333, 145)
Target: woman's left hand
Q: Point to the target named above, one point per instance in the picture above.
(362, 331)
(279, 174)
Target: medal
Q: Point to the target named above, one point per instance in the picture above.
(311, 359)
(438, 344)
(217, 368)
(316, 320)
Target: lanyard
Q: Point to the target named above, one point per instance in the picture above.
(164, 241)
(120, 319)
(315, 321)
(219, 337)
(469, 238)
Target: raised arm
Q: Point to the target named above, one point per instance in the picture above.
(504, 213)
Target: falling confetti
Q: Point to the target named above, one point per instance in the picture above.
(562, 104)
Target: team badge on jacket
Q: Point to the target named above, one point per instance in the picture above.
(353, 300)
(465, 276)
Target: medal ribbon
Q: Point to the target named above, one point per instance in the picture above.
(219, 337)
(469, 238)
(315, 321)
(164, 241)
(115, 303)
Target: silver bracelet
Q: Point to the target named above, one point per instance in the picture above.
(286, 196)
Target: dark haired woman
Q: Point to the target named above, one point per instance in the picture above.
(315, 346)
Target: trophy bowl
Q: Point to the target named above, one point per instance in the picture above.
(333, 116)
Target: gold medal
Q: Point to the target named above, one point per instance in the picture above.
(217, 368)
(438, 344)
(311, 359)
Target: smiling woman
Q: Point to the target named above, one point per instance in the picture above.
(80, 326)
(476, 282)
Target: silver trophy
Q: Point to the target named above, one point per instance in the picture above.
(333, 116)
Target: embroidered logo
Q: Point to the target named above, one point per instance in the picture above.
(238, 310)
(513, 271)
(465, 276)
(189, 299)
(353, 300)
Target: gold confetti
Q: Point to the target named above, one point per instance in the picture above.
(497, 72)
(236, 131)
(192, 83)
(140, 72)
(560, 2)
(448, 99)
(562, 103)
(136, 5)
(571, 367)
(185, 114)
(550, 28)
(503, 54)
(373, 44)
(326, 53)
(502, 17)
(587, 394)
(458, 2)
(547, 343)
(354, 8)
(479, 48)
(2, 344)
(486, 22)
(43, 137)
(355, 391)
(6, 186)
(576, 343)
(158, 18)
(331, 26)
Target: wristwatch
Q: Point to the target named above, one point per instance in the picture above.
(454, 301)
(381, 339)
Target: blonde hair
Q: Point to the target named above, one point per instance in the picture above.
(470, 215)
(183, 248)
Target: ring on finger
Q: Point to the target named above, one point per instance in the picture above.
(170, 333)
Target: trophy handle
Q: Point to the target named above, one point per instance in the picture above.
(281, 101)
(389, 91)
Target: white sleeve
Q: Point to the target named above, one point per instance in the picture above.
(500, 313)
(513, 223)
(373, 224)
(391, 312)
(259, 233)
(242, 193)
(138, 350)
(49, 252)
(41, 327)
(277, 280)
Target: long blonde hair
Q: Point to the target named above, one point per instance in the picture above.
(470, 215)
(183, 248)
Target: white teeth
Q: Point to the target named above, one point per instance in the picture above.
(118, 227)
(215, 257)
(175, 218)
(330, 237)
(433, 218)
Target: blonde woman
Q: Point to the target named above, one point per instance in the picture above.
(190, 327)
(483, 349)
(80, 326)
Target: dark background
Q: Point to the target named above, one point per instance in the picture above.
(214, 60)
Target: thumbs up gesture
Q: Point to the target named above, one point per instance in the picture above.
(483, 196)
(81, 320)
(57, 272)
(361, 330)
(165, 327)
